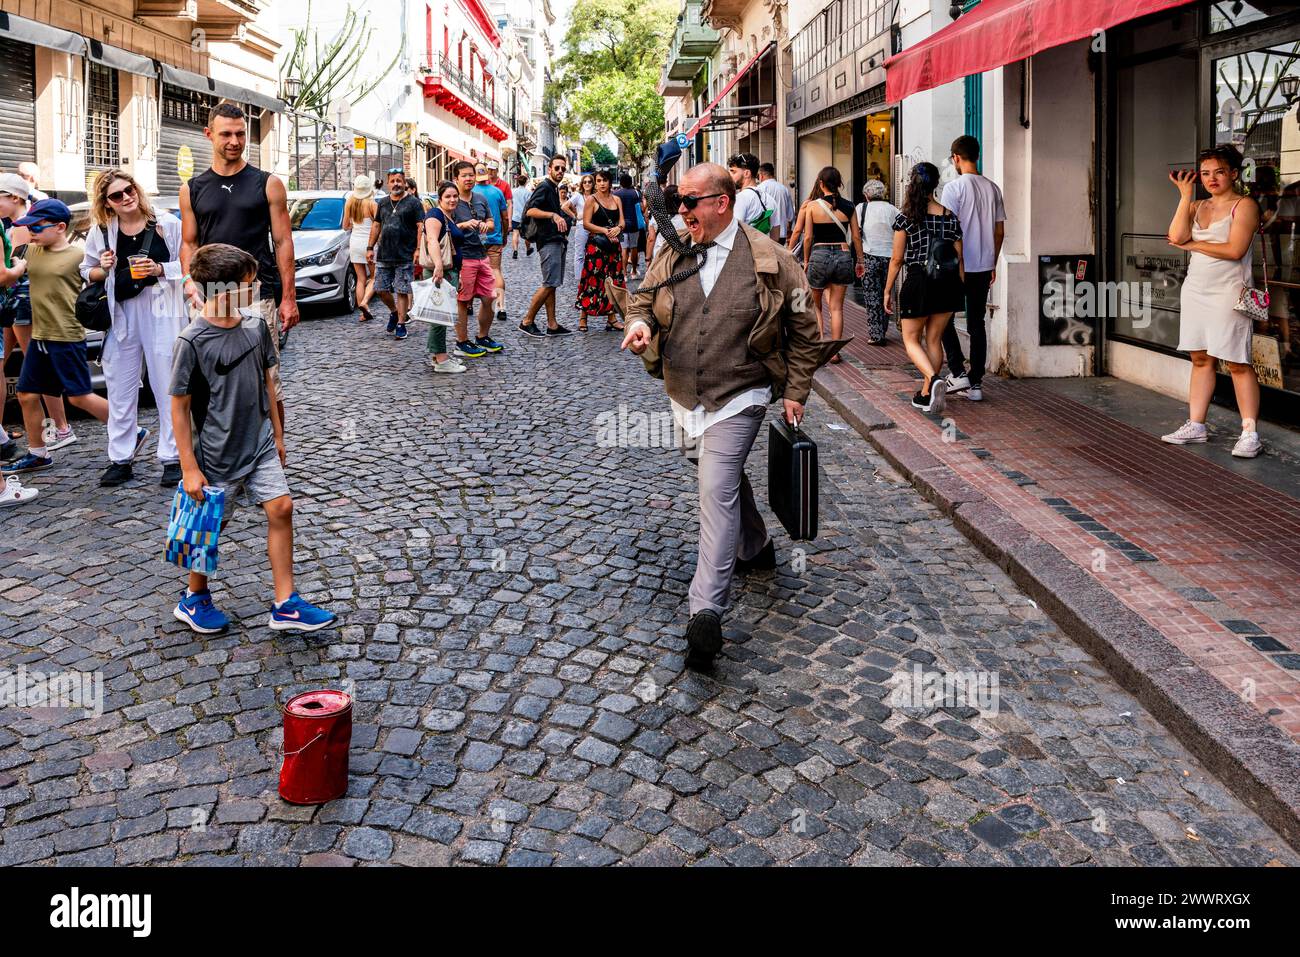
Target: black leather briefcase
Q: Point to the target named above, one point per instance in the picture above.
(792, 479)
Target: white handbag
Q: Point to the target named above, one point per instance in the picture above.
(1252, 302)
(434, 303)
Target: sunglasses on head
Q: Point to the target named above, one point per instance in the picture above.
(396, 169)
(121, 194)
(690, 201)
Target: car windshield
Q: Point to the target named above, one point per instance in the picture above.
(319, 213)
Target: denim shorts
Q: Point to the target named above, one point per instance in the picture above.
(829, 264)
(394, 277)
(16, 306)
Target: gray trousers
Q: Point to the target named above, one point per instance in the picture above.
(730, 524)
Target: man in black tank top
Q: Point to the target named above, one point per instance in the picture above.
(234, 202)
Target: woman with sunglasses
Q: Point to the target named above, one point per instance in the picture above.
(602, 257)
(443, 217)
(577, 205)
(135, 253)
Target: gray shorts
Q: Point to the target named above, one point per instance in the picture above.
(394, 277)
(552, 256)
(631, 240)
(259, 486)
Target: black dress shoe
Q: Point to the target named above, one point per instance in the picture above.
(704, 635)
(171, 476)
(117, 473)
(764, 561)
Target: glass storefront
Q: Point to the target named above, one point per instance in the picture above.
(1182, 81)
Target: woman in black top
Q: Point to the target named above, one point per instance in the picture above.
(832, 251)
(602, 217)
(927, 243)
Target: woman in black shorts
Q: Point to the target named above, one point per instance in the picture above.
(927, 244)
(832, 251)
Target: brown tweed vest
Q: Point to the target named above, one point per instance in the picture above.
(706, 356)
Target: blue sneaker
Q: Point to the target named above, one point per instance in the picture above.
(200, 614)
(392, 323)
(469, 350)
(401, 330)
(298, 614)
(28, 463)
(488, 343)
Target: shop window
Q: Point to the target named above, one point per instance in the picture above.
(101, 118)
(1231, 14)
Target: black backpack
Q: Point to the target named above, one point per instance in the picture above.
(92, 302)
(941, 262)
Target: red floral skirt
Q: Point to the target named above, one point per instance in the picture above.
(597, 266)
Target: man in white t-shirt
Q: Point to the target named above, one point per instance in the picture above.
(779, 201)
(750, 203)
(977, 203)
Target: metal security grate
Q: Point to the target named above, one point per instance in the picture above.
(101, 118)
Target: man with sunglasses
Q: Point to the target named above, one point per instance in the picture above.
(55, 363)
(552, 242)
(726, 325)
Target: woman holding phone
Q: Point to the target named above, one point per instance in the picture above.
(141, 272)
(1218, 233)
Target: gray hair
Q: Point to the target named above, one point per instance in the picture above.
(873, 189)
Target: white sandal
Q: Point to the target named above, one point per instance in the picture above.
(13, 492)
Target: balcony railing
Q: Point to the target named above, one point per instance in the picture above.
(442, 66)
(842, 27)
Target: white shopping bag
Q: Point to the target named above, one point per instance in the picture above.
(432, 303)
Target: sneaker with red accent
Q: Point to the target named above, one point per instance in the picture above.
(298, 614)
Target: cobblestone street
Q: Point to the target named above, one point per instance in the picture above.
(512, 599)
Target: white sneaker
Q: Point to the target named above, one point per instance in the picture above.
(62, 441)
(1248, 446)
(975, 394)
(937, 388)
(1187, 433)
(957, 383)
(13, 492)
(451, 365)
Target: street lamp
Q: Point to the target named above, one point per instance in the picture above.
(290, 90)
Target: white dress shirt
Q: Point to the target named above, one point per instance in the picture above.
(780, 202)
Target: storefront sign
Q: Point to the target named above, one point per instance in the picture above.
(1150, 259)
(359, 144)
(1266, 357)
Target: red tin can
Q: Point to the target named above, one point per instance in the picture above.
(317, 734)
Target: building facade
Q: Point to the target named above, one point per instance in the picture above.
(98, 84)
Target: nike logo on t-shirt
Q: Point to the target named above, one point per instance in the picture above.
(225, 368)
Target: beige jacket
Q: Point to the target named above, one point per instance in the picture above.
(786, 337)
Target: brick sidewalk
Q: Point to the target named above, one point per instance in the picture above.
(1208, 557)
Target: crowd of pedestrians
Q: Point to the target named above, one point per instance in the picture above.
(200, 303)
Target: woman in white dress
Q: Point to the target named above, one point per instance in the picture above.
(1218, 232)
(358, 215)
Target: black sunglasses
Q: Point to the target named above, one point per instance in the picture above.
(121, 194)
(690, 202)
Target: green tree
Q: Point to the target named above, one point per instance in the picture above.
(596, 153)
(627, 107)
(328, 69)
(609, 71)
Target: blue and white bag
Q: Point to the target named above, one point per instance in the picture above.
(192, 530)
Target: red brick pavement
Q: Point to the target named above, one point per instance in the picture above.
(1205, 525)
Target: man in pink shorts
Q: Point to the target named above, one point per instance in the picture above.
(476, 278)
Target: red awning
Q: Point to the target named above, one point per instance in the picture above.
(998, 32)
(740, 74)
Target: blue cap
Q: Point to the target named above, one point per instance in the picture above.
(54, 210)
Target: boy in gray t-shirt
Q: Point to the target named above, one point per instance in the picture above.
(228, 432)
